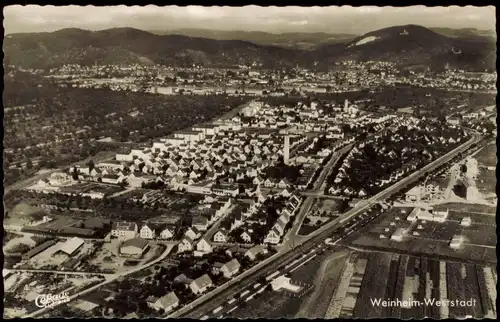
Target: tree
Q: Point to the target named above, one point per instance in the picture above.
(91, 165)
(75, 173)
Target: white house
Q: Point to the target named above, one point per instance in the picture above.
(273, 237)
(124, 230)
(204, 246)
(167, 303)
(220, 236)
(230, 268)
(186, 245)
(201, 284)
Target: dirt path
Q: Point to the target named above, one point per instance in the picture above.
(324, 284)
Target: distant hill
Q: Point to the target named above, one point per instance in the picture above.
(408, 45)
(129, 45)
(466, 33)
(413, 45)
(296, 40)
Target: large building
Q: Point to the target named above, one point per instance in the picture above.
(134, 246)
(428, 214)
(124, 230)
(71, 246)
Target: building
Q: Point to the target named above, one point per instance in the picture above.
(398, 234)
(185, 245)
(220, 236)
(124, 230)
(283, 282)
(286, 150)
(273, 237)
(201, 284)
(230, 268)
(253, 252)
(200, 223)
(134, 246)
(38, 249)
(430, 215)
(167, 303)
(456, 241)
(167, 232)
(414, 194)
(147, 231)
(466, 222)
(204, 246)
(71, 246)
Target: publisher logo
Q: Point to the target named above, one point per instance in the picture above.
(48, 300)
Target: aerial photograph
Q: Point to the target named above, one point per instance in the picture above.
(212, 162)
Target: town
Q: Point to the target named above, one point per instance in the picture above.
(240, 191)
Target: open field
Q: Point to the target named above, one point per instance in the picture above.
(464, 207)
(430, 238)
(23, 214)
(327, 279)
(487, 156)
(486, 182)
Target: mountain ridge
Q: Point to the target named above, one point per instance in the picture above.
(404, 45)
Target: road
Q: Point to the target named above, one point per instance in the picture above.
(110, 280)
(212, 300)
(292, 235)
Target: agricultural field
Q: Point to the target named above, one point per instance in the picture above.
(467, 208)
(430, 238)
(391, 276)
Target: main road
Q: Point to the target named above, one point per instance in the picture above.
(287, 254)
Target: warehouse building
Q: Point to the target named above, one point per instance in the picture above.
(134, 246)
(71, 246)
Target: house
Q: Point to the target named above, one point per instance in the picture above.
(185, 245)
(167, 303)
(167, 232)
(220, 236)
(273, 236)
(283, 183)
(269, 183)
(134, 246)
(245, 236)
(200, 223)
(456, 241)
(398, 234)
(231, 268)
(253, 252)
(192, 233)
(204, 246)
(414, 194)
(201, 284)
(147, 231)
(124, 230)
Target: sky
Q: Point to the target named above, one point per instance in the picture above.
(335, 20)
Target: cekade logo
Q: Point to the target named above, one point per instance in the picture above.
(48, 300)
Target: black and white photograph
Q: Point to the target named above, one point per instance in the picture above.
(251, 162)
